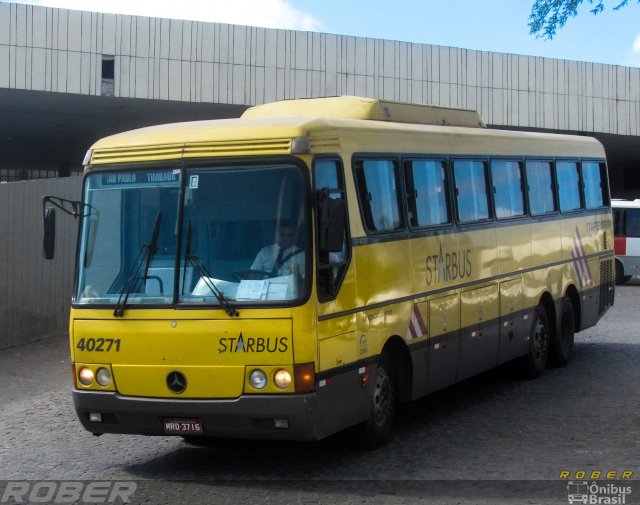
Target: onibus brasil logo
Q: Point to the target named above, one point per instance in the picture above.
(597, 493)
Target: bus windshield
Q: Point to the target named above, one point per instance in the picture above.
(243, 237)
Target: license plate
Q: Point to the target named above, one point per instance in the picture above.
(182, 426)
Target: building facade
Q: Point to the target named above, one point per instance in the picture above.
(169, 61)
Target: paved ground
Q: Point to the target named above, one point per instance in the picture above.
(492, 439)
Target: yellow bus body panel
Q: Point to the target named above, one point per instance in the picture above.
(213, 354)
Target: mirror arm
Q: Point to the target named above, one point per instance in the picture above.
(74, 208)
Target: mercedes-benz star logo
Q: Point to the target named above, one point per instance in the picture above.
(176, 382)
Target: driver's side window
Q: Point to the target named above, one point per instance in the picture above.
(332, 266)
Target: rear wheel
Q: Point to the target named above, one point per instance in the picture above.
(376, 430)
(535, 361)
(563, 343)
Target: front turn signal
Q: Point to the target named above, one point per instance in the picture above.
(304, 377)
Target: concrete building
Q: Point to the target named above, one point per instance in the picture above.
(69, 77)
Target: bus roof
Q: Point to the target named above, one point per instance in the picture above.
(353, 107)
(334, 125)
(626, 204)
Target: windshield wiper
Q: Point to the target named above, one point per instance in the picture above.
(204, 274)
(141, 264)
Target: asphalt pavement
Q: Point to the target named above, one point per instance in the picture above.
(495, 438)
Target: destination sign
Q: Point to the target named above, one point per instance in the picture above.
(137, 178)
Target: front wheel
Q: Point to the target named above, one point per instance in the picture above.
(375, 431)
(535, 361)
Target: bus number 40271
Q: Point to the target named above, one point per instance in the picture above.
(98, 344)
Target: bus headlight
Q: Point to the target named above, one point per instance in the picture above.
(258, 379)
(103, 377)
(85, 376)
(282, 378)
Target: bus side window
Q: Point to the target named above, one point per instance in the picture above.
(540, 187)
(470, 178)
(594, 176)
(633, 223)
(427, 194)
(379, 188)
(568, 185)
(332, 266)
(507, 188)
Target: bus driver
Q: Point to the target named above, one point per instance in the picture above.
(283, 257)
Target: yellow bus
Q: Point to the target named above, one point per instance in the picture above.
(301, 269)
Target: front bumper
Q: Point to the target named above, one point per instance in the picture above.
(249, 416)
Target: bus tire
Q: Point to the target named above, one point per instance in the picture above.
(560, 351)
(535, 361)
(620, 277)
(376, 430)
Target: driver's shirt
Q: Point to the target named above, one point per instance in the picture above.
(291, 260)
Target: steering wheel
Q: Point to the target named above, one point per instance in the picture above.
(254, 275)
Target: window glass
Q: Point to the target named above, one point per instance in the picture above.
(568, 185)
(633, 222)
(245, 235)
(507, 188)
(427, 192)
(128, 242)
(378, 183)
(471, 190)
(326, 175)
(540, 184)
(332, 266)
(595, 188)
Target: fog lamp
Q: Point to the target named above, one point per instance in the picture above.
(282, 424)
(85, 376)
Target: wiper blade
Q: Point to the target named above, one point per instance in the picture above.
(204, 274)
(141, 264)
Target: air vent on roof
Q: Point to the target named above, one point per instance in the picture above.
(350, 107)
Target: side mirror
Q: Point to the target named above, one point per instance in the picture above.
(72, 207)
(49, 240)
(331, 222)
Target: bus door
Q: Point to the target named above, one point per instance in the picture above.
(339, 346)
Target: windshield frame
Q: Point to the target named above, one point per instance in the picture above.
(184, 166)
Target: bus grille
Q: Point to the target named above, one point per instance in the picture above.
(607, 283)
